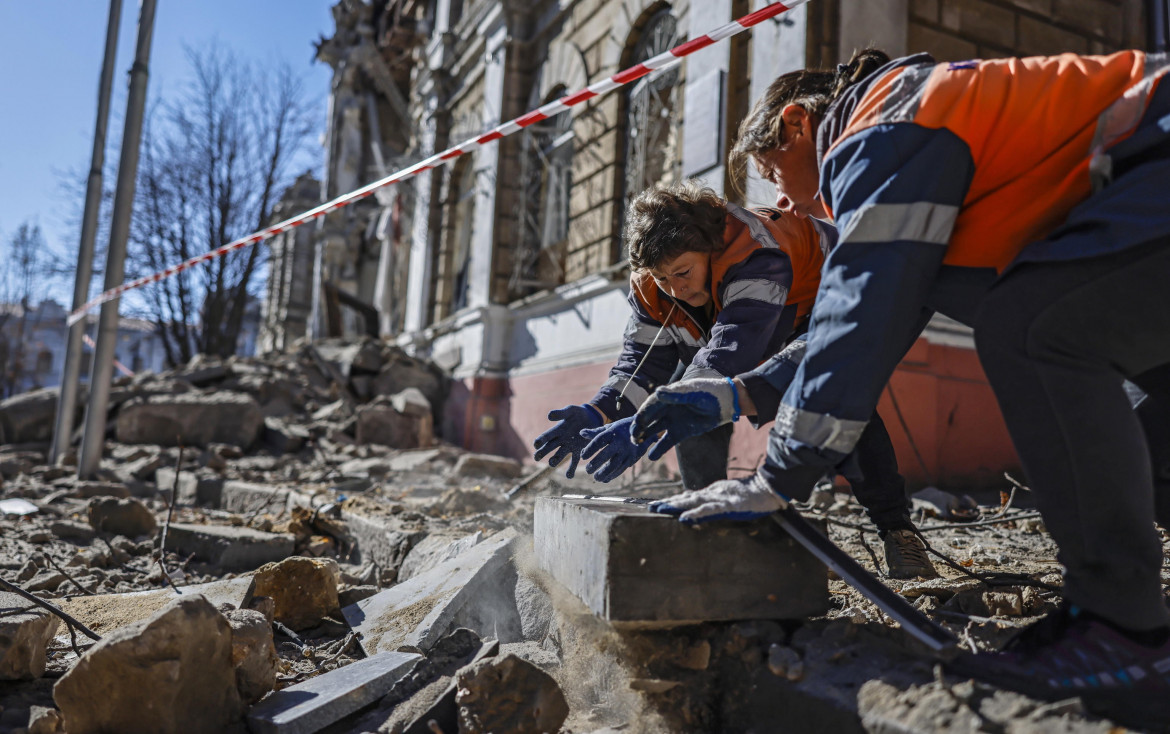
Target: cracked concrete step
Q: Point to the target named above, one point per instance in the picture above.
(233, 548)
(631, 566)
(318, 702)
(419, 611)
(246, 498)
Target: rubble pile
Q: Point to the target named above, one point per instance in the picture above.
(283, 544)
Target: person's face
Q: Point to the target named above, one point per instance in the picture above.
(685, 277)
(792, 168)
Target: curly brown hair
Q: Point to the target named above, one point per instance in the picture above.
(666, 221)
(763, 129)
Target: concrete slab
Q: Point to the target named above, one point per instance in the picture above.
(192, 487)
(244, 497)
(25, 632)
(631, 566)
(233, 548)
(106, 612)
(381, 539)
(418, 611)
(318, 702)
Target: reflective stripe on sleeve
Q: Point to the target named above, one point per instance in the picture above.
(818, 430)
(680, 335)
(635, 393)
(640, 333)
(1121, 117)
(921, 221)
(759, 232)
(768, 291)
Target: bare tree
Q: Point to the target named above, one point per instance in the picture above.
(214, 160)
(24, 273)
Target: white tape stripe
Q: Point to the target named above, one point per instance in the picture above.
(554, 108)
(661, 61)
(725, 31)
(602, 86)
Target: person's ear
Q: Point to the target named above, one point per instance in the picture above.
(795, 116)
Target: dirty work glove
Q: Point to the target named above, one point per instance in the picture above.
(615, 450)
(565, 437)
(728, 499)
(683, 410)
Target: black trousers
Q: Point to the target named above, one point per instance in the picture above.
(1056, 340)
(872, 472)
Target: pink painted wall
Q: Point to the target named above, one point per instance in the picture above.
(948, 413)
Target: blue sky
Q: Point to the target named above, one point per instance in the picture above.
(50, 60)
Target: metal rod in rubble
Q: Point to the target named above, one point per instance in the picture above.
(663, 60)
(67, 398)
(107, 337)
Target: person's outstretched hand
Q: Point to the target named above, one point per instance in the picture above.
(683, 410)
(615, 449)
(565, 437)
(728, 499)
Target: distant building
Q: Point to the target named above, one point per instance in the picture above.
(32, 346)
(507, 264)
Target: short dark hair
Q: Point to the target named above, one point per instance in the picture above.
(666, 221)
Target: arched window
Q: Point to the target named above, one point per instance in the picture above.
(652, 132)
(462, 211)
(546, 174)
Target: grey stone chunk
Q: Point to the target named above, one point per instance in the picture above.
(433, 550)
(25, 632)
(244, 497)
(253, 653)
(233, 548)
(310, 706)
(487, 465)
(170, 673)
(192, 486)
(629, 565)
(191, 419)
(419, 611)
(380, 539)
(382, 424)
(88, 490)
(509, 694)
(127, 517)
(69, 530)
(414, 460)
(30, 416)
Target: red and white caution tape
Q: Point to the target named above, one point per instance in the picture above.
(121, 367)
(637, 71)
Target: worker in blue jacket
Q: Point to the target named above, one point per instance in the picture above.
(715, 290)
(1024, 197)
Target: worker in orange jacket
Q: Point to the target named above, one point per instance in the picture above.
(1025, 197)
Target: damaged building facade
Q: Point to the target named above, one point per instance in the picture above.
(506, 266)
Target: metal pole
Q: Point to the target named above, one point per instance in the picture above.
(103, 358)
(1157, 25)
(67, 396)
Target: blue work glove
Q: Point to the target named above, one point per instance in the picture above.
(565, 437)
(615, 450)
(728, 499)
(684, 410)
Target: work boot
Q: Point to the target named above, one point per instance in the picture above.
(906, 556)
(1122, 676)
